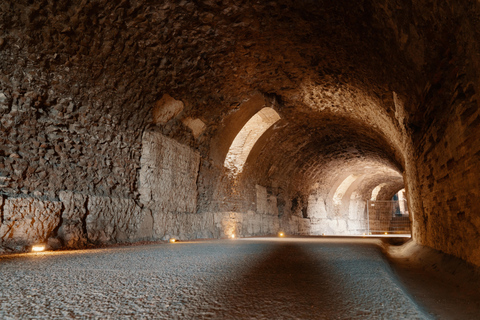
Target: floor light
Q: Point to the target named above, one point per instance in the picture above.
(38, 248)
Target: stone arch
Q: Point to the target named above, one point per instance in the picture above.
(232, 123)
(376, 190)
(247, 137)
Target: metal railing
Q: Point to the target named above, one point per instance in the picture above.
(388, 216)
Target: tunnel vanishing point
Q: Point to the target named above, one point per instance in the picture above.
(133, 120)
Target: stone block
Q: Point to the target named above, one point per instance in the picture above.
(184, 226)
(261, 199)
(168, 175)
(145, 227)
(71, 232)
(112, 219)
(196, 125)
(27, 221)
(266, 204)
(166, 109)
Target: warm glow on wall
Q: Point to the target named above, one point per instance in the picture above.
(232, 236)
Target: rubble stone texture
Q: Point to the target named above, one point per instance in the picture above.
(382, 90)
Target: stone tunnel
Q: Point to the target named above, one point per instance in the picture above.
(137, 120)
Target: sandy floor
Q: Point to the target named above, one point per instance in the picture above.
(237, 279)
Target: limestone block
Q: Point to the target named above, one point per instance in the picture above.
(27, 221)
(196, 125)
(253, 227)
(270, 225)
(112, 219)
(357, 209)
(261, 199)
(231, 224)
(145, 228)
(266, 204)
(304, 226)
(184, 226)
(166, 109)
(329, 226)
(71, 232)
(272, 207)
(316, 207)
(168, 175)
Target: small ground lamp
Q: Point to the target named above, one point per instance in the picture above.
(38, 248)
(172, 240)
(281, 234)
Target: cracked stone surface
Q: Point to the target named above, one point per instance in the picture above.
(26, 221)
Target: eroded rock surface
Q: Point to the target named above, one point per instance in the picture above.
(112, 220)
(72, 230)
(28, 221)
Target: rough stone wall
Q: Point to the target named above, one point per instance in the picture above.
(60, 149)
(73, 221)
(27, 221)
(442, 162)
(168, 189)
(167, 208)
(79, 78)
(52, 144)
(448, 162)
(389, 83)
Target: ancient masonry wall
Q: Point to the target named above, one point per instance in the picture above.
(330, 219)
(442, 177)
(68, 172)
(343, 216)
(448, 164)
(167, 208)
(169, 192)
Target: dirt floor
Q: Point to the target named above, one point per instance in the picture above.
(261, 278)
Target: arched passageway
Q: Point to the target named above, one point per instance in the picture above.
(117, 119)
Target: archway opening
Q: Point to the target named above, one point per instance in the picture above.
(247, 137)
